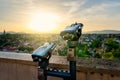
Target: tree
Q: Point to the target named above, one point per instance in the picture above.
(21, 48)
(108, 55)
(111, 44)
(62, 52)
(116, 53)
(82, 50)
(112, 49)
(30, 49)
(95, 44)
(97, 55)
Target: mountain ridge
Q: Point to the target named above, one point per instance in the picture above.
(105, 32)
(89, 32)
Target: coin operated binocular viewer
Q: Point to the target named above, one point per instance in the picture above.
(72, 34)
(42, 55)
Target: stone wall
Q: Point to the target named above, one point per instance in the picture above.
(19, 66)
(90, 69)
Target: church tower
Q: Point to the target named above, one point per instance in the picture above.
(4, 36)
(4, 33)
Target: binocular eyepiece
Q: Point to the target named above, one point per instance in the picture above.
(72, 32)
(43, 53)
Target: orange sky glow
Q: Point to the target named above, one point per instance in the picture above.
(37, 16)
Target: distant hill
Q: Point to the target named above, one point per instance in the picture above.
(12, 32)
(90, 32)
(105, 32)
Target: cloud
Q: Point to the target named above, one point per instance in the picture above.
(103, 11)
(103, 8)
(14, 10)
(101, 15)
(90, 12)
(74, 5)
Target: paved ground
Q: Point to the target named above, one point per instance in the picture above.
(54, 78)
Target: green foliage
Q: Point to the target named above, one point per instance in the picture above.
(97, 55)
(62, 52)
(29, 49)
(82, 54)
(113, 49)
(95, 44)
(111, 44)
(23, 48)
(107, 55)
(82, 51)
(116, 53)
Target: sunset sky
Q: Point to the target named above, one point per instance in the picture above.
(54, 15)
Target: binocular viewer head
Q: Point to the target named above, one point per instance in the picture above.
(43, 53)
(72, 32)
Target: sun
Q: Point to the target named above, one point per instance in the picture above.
(44, 22)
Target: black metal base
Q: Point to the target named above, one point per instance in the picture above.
(66, 75)
(73, 70)
(58, 73)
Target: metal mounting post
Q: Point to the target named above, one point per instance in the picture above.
(71, 57)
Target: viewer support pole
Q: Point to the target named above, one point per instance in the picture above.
(72, 58)
(73, 70)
